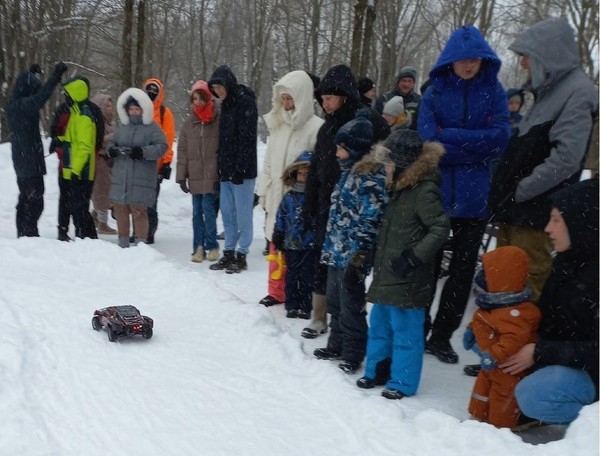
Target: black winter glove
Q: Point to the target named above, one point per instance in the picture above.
(278, 240)
(113, 151)
(137, 153)
(184, 187)
(237, 178)
(35, 69)
(406, 263)
(60, 68)
(355, 272)
(165, 172)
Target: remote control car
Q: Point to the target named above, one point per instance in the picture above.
(122, 321)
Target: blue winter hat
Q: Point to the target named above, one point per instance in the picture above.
(357, 135)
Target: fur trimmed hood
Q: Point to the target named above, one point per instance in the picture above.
(143, 100)
(426, 163)
(377, 157)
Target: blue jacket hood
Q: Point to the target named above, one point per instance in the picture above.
(466, 42)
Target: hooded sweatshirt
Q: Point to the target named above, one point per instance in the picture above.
(237, 127)
(547, 151)
(470, 117)
(164, 118)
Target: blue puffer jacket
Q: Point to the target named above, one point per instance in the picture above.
(470, 117)
(357, 205)
(290, 222)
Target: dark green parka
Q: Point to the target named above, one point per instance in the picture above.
(414, 218)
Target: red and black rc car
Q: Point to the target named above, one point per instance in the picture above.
(122, 321)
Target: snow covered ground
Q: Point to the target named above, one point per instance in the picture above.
(221, 376)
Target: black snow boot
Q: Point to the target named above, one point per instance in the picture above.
(63, 234)
(238, 264)
(225, 261)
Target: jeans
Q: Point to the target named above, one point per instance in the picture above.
(237, 204)
(555, 394)
(397, 333)
(204, 221)
(30, 205)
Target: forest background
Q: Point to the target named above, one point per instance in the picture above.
(119, 44)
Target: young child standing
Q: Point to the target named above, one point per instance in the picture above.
(357, 203)
(504, 322)
(414, 228)
(289, 236)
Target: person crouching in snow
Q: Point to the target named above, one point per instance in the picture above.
(504, 322)
(413, 229)
(357, 203)
(135, 147)
(289, 236)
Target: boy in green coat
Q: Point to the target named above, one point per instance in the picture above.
(414, 228)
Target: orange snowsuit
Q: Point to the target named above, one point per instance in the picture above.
(165, 120)
(502, 332)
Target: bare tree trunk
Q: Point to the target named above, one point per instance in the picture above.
(127, 45)
(368, 40)
(357, 35)
(139, 50)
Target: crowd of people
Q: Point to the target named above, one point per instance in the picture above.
(354, 184)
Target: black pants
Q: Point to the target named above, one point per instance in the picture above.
(74, 200)
(348, 310)
(466, 241)
(30, 205)
(298, 279)
(153, 214)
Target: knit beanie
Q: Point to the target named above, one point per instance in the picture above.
(407, 72)
(394, 107)
(405, 146)
(364, 85)
(131, 102)
(356, 136)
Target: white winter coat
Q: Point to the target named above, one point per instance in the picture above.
(290, 133)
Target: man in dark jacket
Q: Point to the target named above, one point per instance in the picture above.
(405, 83)
(565, 354)
(23, 115)
(547, 150)
(236, 160)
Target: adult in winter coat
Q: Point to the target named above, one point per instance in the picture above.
(405, 83)
(340, 101)
(565, 354)
(136, 146)
(465, 109)
(103, 167)
(164, 118)
(197, 169)
(293, 128)
(78, 143)
(23, 117)
(413, 228)
(547, 151)
(236, 161)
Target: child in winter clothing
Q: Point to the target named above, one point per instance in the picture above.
(504, 322)
(289, 236)
(515, 103)
(395, 115)
(357, 203)
(413, 229)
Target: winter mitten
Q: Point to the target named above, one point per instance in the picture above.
(165, 172)
(137, 153)
(60, 68)
(278, 240)
(113, 151)
(406, 263)
(468, 339)
(487, 362)
(355, 272)
(184, 187)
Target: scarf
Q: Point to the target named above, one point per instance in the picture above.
(206, 113)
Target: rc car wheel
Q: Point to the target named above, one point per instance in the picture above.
(112, 334)
(147, 334)
(96, 324)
